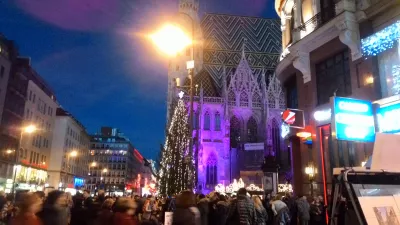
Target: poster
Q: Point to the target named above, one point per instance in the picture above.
(380, 210)
(268, 182)
(168, 218)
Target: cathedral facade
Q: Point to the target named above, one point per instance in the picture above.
(237, 99)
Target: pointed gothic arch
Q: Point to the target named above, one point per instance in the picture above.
(207, 121)
(211, 170)
(235, 130)
(252, 130)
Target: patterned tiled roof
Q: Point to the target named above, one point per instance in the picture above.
(224, 36)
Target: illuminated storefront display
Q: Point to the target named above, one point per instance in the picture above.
(28, 175)
(79, 182)
(235, 186)
(354, 120)
(388, 118)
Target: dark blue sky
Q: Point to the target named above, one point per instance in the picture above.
(94, 56)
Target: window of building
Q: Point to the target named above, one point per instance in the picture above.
(252, 130)
(2, 70)
(276, 139)
(196, 120)
(207, 121)
(291, 92)
(235, 128)
(211, 172)
(34, 97)
(217, 121)
(333, 76)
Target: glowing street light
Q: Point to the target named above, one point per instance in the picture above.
(30, 129)
(105, 170)
(73, 154)
(171, 39)
(9, 151)
(93, 164)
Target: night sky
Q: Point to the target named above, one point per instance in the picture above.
(94, 55)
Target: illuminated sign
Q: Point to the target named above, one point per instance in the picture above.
(285, 130)
(289, 117)
(354, 120)
(323, 115)
(78, 182)
(388, 118)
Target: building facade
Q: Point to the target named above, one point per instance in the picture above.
(114, 163)
(238, 101)
(68, 163)
(325, 55)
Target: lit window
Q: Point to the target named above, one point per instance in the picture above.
(207, 121)
(217, 121)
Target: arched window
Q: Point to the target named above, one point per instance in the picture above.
(244, 99)
(235, 132)
(217, 121)
(252, 130)
(206, 121)
(211, 176)
(196, 120)
(231, 98)
(276, 139)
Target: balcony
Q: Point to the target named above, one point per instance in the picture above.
(332, 22)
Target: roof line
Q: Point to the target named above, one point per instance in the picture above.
(223, 14)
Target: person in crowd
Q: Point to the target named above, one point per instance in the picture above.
(3, 199)
(124, 210)
(281, 211)
(213, 199)
(29, 205)
(242, 210)
(268, 207)
(101, 197)
(291, 204)
(55, 209)
(148, 208)
(87, 199)
(222, 209)
(41, 195)
(105, 215)
(78, 212)
(202, 205)
(186, 212)
(262, 216)
(303, 209)
(316, 212)
(8, 209)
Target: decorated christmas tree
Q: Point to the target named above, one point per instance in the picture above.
(176, 167)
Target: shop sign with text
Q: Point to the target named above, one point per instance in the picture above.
(354, 120)
(388, 118)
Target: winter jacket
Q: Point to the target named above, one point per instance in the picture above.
(123, 219)
(51, 215)
(262, 216)
(303, 209)
(186, 216)
(242, 212)
(222, 211)
(30, 219)
(204, 210)
(282, 218)
(277, 206)
(316, 212)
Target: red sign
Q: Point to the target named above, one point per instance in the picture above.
(289, 117)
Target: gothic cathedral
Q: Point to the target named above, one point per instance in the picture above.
(238, 101)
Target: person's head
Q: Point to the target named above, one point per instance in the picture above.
(242, 191)
(137, 197)
(29, 203)
(186, 199)
(321, 199)
(10, 197)
(222, 198)
(108, 204)
(86, 194)
(125, 205)
(40, 194)
(100, 192)
(57, 199)
(257, 202)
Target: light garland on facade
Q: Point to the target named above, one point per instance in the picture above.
(284, 188)
(235, 186)
(381, 40)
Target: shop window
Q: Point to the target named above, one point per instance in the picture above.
(389, 71)
(333, 76)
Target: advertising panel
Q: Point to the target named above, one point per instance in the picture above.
(388, 118)
(353, 120)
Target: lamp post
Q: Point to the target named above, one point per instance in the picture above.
(310, 171)
(29, 130)
(171, 40)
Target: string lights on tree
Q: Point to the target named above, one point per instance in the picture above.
(177, 168)
(381, 40)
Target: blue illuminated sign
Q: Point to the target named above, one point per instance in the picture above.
(78, 182)
(354, 120)
(388, 118)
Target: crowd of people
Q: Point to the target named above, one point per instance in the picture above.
(60, 208)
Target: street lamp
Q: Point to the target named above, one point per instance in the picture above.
(310, 171)
(29, 130)
(171, 39)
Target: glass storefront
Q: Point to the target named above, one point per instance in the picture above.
(389, 71)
